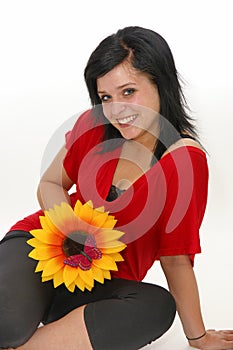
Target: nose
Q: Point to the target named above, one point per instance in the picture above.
(117, 108)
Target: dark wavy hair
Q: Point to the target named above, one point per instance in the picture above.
(148, 52)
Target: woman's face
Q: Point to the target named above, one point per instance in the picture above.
(131, 103)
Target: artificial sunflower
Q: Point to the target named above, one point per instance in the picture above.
(76, 246)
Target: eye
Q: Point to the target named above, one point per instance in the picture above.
(128, 91)
(105, 98)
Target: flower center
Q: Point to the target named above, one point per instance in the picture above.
(74, 243)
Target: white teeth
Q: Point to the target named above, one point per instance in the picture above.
(127, 120)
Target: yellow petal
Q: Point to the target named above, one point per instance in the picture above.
(40, 266)
(63, 218)
(97, 274)
(86, 212)
(117, 257)
(80, 283)
(53, 265)
(111, 250)
(112, 244)
(47, 278)
(99, 219)
(100, 209)
(110, 223)
(85, 226)
(87, 277)
(71, 287)
(107, 274)
(45, 253)
(58, 278)
(34, 242)
(47, 237)
(77, 207)
(88, 287)
(48, 226)
(107, 235)
(70, 274)
(106, 263)
(89, 203)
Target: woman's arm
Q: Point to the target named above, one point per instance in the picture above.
(183, 286)
(54, 184)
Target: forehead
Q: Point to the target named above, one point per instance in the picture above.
(120, 75)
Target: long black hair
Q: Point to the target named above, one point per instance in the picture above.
(148, 52)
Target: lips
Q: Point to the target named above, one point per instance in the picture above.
(126, 121)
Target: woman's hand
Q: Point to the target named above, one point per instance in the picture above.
(214, 340)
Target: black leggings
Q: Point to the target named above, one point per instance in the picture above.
(119, 315)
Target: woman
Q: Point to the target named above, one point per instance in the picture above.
(136, 152)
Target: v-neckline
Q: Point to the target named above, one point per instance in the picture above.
(153, 167)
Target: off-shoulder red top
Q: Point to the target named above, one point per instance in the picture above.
(161, 213)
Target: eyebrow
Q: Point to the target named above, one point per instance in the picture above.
(119, 87)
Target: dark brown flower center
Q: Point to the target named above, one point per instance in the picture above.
(74, 243)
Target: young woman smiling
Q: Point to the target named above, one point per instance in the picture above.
(135, 152)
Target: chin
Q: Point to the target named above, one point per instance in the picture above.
(129, 136)
(130, 133)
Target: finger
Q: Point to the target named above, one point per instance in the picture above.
(228, 345)
(228, 337)
(227, 331)
(225, 335)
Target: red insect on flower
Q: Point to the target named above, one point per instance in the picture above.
(87, 253)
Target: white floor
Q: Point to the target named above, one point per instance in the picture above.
(172, 340)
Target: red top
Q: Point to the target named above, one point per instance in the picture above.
(160, 213)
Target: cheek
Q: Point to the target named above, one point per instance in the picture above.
(157, 105)
(107, 111)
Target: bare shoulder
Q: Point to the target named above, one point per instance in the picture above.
(181, 143)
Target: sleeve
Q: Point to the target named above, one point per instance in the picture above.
(72, 137)
(70, 160)
(187, 189)
(80, 140)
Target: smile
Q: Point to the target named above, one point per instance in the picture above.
(127, 120)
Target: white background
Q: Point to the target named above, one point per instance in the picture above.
(44, 47)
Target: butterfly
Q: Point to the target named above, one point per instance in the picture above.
(85, 257)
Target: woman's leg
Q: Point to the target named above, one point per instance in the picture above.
(69, 333)
(137, 314)
(24, 299)
(119, 315)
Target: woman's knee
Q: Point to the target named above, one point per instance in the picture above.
(151, 304)
(137, 314)
(153, 314)
(159, 307)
